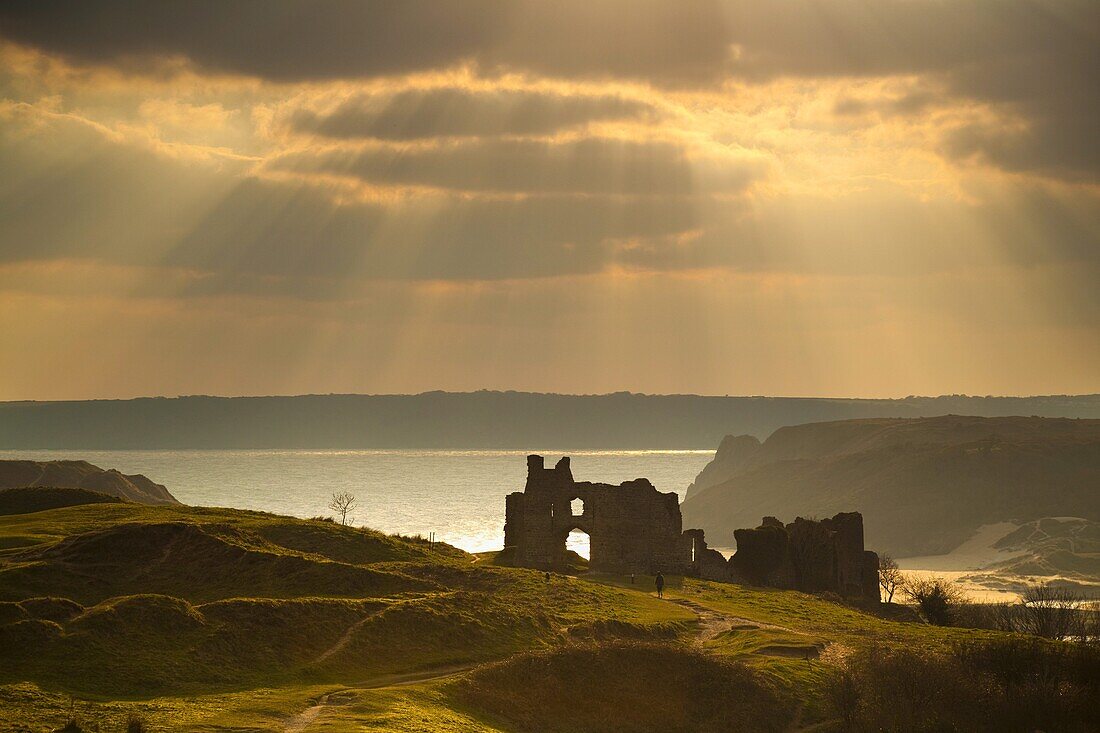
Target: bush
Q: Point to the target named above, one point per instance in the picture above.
(1012, 684)
(904, 690)
(939, 600)
(136, 724)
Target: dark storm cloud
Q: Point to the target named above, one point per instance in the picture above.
(593, 165)
(639, 39)
(292, 40)
(282, 40)
(1038, 59)
(1060, 110)
(454, 112)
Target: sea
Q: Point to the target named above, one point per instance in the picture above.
(457, 494)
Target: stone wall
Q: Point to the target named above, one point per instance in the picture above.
(634, 528)
(808, 555)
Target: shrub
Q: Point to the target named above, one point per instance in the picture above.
(904, 690)
(136, 724)
(1013, 684)
(939, 600)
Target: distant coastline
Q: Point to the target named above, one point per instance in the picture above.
(467, 420)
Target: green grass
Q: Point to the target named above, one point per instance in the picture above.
(94, 552)
(623, 688)
(28, 708)
(175, 600)
(265, 531)
(422, 708)
(805, 621)
(218, 619)
(820, 618)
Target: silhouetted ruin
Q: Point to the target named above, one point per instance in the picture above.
(808, 555)
(634, 528)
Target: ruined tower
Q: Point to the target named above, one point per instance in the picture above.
(632, 526)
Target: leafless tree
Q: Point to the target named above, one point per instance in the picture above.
(342, 503)
(1050, 612)
(890, 577)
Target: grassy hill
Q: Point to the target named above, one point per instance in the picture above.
(176, 598)
(39, 498)
(223, 620)
(923, 485)
(83, 475)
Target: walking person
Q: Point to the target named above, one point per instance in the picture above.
(660, 582)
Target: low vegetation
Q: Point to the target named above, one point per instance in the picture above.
(1007, 684)
(624, 688)
(37, 499)
(188, 618)
(938, 600)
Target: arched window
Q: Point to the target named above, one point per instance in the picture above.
(576, 507)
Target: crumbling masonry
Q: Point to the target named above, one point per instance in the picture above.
(634, 528)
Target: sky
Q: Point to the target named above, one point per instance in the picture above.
(782, 197)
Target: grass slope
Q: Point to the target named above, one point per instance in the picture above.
(191, 600)
(641, 687)
(260, 621)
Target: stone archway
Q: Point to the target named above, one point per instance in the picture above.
(580, 542)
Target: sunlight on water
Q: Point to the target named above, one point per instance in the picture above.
(459, 495)
(578, 542)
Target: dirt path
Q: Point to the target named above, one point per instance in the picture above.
(301, 721)
(344, 640)
(712, 622)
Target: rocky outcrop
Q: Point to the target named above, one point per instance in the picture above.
(734, 455)
(83, 475)
(923, 485)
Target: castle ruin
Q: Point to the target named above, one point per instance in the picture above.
(634, 528)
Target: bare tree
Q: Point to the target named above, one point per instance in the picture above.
(890, 577)
(1050, 612)
(342, 503)
(938, 599)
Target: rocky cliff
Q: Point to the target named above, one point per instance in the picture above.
(83, 475)
(924, 485)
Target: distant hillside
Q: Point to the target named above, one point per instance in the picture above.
(923, 485)
(82, 475)
(519, 420)
(27, 499)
